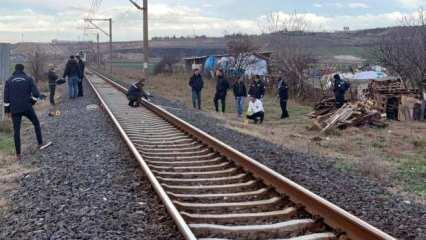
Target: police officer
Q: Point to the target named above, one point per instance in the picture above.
(136, 92)
(20, 93)
(340, 88)
(283, 94)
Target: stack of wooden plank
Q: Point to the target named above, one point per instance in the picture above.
(326, 105)
(350, 115)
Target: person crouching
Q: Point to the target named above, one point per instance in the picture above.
(135, 93)
(256, 111)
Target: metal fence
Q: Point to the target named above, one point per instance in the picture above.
(4, 72)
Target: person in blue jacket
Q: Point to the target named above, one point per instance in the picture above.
(20, 94)
(196, 83)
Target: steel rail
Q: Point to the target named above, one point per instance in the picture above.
(174, 213)
(334, 216)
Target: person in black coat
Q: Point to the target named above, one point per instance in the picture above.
(52, 77)
(283, 94)
(340, 88)
(80, 82)
(135, 93)
(222, 87)
(196, 83)
(73, 72)
(257, 88)
(20, 93)
(240, 93)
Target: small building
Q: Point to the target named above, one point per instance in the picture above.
(393, 98)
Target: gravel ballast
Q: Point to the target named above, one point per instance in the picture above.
(85, 186)
(364, 198)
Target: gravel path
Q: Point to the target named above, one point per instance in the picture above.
(364, 198)
(86, 185)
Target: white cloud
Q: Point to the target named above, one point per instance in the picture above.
(412, 3)
(165, 20)
(358, 5)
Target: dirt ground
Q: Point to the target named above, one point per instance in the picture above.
(395, 155)
(11, 170)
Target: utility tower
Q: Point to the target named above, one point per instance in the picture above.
(146, 53)
(108, 33)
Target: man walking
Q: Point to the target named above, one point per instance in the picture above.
(20, 93)
(196, 82)
(283, 94)
(257, 88)
(240, 93)
(80, 82)
(73, 72)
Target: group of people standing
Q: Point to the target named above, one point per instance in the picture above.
(255, 92)
(21, 93)
(74, 71)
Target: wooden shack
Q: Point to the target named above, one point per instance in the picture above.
(393, 98)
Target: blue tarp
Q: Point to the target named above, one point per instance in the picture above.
(211, 63)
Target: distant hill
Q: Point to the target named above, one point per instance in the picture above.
(324, 45)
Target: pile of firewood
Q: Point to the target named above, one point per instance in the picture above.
(326, 116)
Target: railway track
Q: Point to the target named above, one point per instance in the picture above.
(214, 192)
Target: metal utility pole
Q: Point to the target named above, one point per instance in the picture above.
(4, 72)
(98, 50)
(109, 33)
(146, 53)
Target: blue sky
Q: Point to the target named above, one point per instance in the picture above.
(44, 20)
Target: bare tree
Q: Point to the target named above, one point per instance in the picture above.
(241, 47)
(290, 57)
(275, 22)
(403, 52)
(38, 63)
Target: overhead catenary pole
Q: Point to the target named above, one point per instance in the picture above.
(145, 37)
(98, 51)
(110, 45)
(109, 33)
(146, 52)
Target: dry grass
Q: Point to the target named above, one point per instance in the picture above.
(396, 154)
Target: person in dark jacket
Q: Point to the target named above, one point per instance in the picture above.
(20, 93)
(240, 93)
(340, 88)
(73, 72)
(283, 94)
(135, 93)
(52, 77)
(196, 82)
(222, 87)
(257, 88)
(80, 82)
